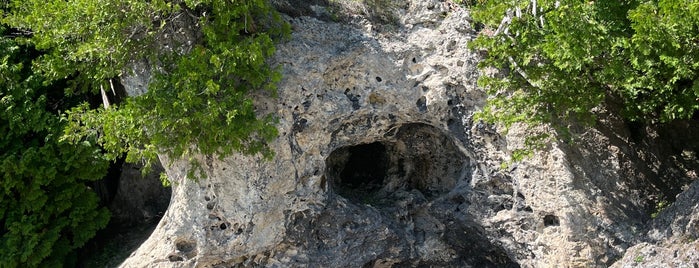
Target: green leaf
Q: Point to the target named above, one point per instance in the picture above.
(561, 63)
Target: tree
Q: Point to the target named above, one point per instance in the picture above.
(198, 101)
(56, 53)
(46, 209)
(559, 60)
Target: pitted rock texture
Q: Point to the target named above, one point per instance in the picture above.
(380, 164)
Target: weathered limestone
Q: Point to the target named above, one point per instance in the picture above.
(380, 164)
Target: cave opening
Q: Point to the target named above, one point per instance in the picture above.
(414, 178)
(365, 167)
(359, 171)
(416, 162)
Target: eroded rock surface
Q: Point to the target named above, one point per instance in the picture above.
(379, 164)
(672, 237)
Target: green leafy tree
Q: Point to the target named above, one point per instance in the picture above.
(46, 209)
(558, 60)
(58, 52)
(198, 101)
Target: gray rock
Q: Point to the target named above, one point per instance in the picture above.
(139, 199)
(672, 238)
(380, 164)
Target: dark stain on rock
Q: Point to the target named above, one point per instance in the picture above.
(354, 98)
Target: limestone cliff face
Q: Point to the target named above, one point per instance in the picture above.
(379, 164)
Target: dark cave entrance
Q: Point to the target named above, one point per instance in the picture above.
(416, 159)
(409, 189)
(365, 168)
(359, 171)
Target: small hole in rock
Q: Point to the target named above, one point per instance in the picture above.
(185, 245)
(421, 104)
(175, 258)
(378, 79)
(223, 226)
(551, 220)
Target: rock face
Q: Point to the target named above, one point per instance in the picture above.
(672, 237)
(139, 199)
(379, 164)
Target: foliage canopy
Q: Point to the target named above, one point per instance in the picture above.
(46, 209)
(559, 59)
(209, 55)
(205, 57)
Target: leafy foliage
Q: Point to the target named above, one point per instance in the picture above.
(558, 60)
(89, 39)
(198, 100)
(206, 57)
(46, 210)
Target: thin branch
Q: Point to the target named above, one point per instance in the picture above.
(505, 23)
(111, 84)
(105, 99)
(534, 8)
(521, 72)
(18, 33)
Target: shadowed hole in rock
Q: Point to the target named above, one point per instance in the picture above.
(421, 104)
(185, 248)
(418, 162)
(185, 245)
(175, 258)
(359, 171)
(551, 220)
(366, 167)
